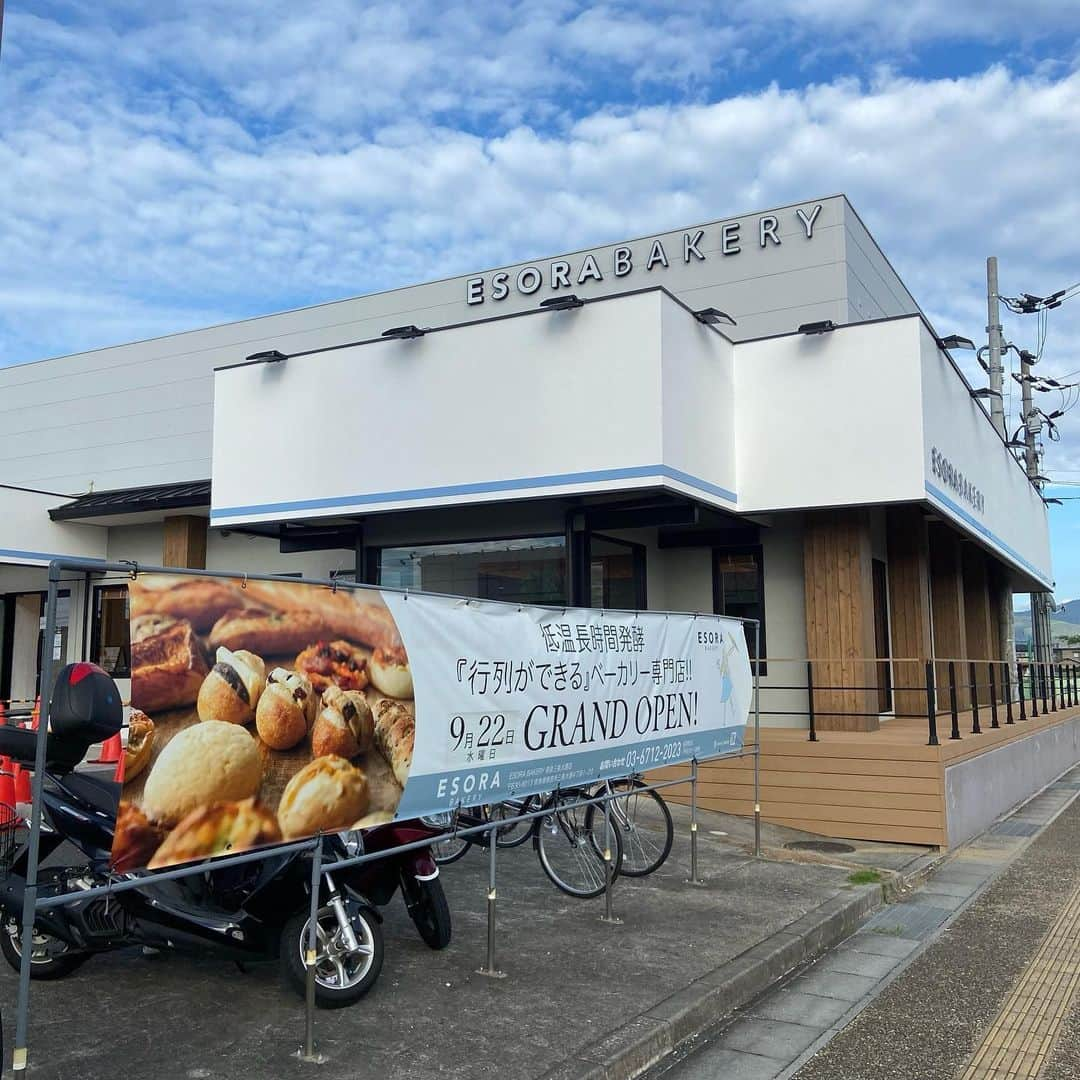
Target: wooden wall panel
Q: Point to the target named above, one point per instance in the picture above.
(978, 623)
(184, 542)
(947, 607)
(909, 605)
(840, 618)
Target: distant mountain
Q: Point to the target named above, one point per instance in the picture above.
(1063, 623)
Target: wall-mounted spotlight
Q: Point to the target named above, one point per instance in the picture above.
(985, 392)
(823, 327)
(403, 333)
(955, 341)
(710, 316)
(562, 303)
(270, 356)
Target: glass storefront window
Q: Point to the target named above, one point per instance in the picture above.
(529, 571)
(616, 574)
(739, 590)
(109, 646)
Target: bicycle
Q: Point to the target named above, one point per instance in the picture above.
(569, 841)
(644, 851)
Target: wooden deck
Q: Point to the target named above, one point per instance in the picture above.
(882, 785)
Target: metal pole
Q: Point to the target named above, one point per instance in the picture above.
(757, 739)
(1020, 688)
(993, 329)
(955, 733)
(810, 699)
(1008, 692)
(993, 695)
(492, 895)
(975, 728)
(693, 879)
(19, 1058)
(1044, 680)
(307, 1051)
(609, 862)
(931, 704)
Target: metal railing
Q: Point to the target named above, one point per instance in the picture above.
(988, 692)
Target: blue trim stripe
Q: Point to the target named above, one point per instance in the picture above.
(480, 488)
(41, 556)
(979, 527)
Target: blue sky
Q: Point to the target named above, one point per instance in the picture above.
(168, 166)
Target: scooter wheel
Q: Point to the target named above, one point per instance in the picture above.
(428, 909)
(342, 976)
(51, 958)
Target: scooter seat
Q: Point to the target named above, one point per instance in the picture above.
(103, 795)
(62, 752)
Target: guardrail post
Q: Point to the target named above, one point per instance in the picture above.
(931, 704)
(757, 739)
(955, 733)
(993, 695)
(1008, 692)
(307, 1051)
(975, 728)
(609, 862)
(810, 698)
(1020, 688)
(693, 879)
(490, 969)
(1072, 683)
(1043, 679)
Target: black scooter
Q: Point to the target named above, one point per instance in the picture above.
(256, 910)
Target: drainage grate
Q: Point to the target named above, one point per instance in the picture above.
(825, 847)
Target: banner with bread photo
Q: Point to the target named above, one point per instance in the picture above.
(261, 712)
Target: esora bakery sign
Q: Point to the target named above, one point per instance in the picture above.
(731, 239)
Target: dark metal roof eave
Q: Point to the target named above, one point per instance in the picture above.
(192, 494)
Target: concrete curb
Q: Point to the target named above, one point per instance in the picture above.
(628, 1050)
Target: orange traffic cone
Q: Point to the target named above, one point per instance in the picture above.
(112, 751)
(118, 776)
(3, 714)
(35, 715)
(23, 791)
(7, 789)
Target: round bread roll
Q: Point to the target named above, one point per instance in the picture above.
(389, 669)
(209, 762)
(345, 725)
(285, 709)
(326, 795)
(232, 689)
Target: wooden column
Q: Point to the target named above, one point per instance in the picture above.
(947, 608)
(909, 604)
(978, 622)
(840, 618)
(184, 542)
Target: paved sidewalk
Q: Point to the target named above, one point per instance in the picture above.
(845, 1016)
(579, 993)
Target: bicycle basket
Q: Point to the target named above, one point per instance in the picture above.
(9, 824)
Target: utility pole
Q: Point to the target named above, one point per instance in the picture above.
(993, 329)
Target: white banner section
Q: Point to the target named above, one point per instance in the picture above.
(511, 701)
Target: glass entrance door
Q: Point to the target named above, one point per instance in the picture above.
(616, 573)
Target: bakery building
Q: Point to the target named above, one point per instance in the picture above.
(750, 416)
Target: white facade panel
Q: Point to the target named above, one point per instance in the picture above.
(557, 401)
(29, 538)
(970, 477)
(829, 419)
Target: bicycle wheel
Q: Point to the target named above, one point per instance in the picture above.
(644, 824)
(509, 836)
(569, 852)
